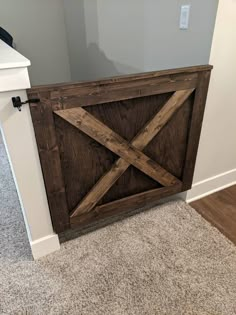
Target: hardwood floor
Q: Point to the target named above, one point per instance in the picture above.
(220, 210)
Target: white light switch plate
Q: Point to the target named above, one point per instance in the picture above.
(184, 17)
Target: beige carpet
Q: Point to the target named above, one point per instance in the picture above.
(167, 260)
(14, 244)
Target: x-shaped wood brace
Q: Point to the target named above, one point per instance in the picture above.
(130, 153)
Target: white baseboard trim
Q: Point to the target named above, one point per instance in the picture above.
(44, 246)
(211, 185)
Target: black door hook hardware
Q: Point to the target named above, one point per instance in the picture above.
(17, 102)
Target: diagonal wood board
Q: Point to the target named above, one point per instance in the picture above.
(110, 146)
(129, 153)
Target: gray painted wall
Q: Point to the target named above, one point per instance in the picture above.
(110, 37)
(39, 32)
(166, 45)
(90, 39)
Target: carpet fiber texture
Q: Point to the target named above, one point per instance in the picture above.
(165, 261)
(14, 243)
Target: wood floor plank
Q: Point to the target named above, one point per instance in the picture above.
(220, 210)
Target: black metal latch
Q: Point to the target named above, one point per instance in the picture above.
(17, 102)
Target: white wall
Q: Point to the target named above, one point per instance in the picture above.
(19, 139)
(39, 32)
(216, 162)
(110, 37)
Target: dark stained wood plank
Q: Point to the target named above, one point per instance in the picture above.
(149, 198)
(122, 88)
(42, 117)
(122, 79)
(220, 210)
(171, 153)
(91, 94)
(95, 129)
(160, 119)
(148, 132)
(104, 94)
(83, 168)
(101, 188)
(75, 162)
(195, 128)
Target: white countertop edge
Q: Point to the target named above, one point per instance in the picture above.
(10, 58)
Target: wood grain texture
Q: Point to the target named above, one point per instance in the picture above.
(220, 210)
(176, 73)
(146, 134)
(138, 120)
(195, 128)
(95, 129)
(42, 117)
(93, 95)
(171, 153)
(122, 88)
(126, 118)
(145, 199)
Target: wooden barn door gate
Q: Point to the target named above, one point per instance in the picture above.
(114, 145)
